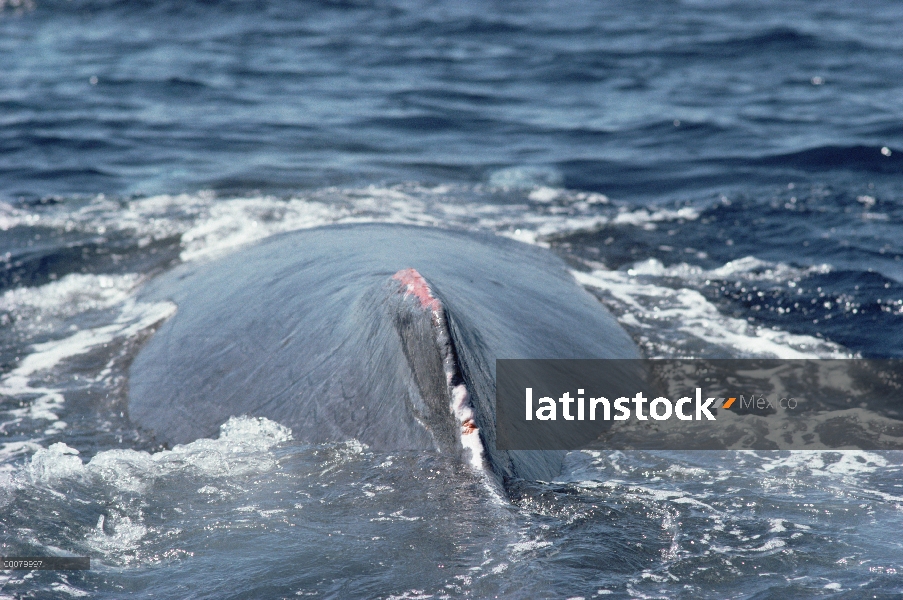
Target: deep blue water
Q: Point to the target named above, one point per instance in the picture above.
(652, 100)
(727, 177)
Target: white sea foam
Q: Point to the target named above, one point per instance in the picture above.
(747, 268)
(682, 323)
(228, 224)
(525, 177)
(824, 463)
(209, 226)
(643, 216)
(40, 311)
(123, 534)
(65, 588)
(528, 546)
(242, 447)
(133, 317)
(70, 295)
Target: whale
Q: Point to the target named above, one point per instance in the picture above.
(386, 334)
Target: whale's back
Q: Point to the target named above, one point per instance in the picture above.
(315, 330)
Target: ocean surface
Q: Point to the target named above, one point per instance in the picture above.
(726, 177)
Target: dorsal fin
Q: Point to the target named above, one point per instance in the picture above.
(422, 324)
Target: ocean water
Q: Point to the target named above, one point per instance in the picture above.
(727, 178)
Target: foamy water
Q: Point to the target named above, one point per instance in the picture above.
(219, 505)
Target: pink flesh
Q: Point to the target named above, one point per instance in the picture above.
(416, 285)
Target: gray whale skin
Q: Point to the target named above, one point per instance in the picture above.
(383, 333)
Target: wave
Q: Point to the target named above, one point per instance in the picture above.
(873, 159)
